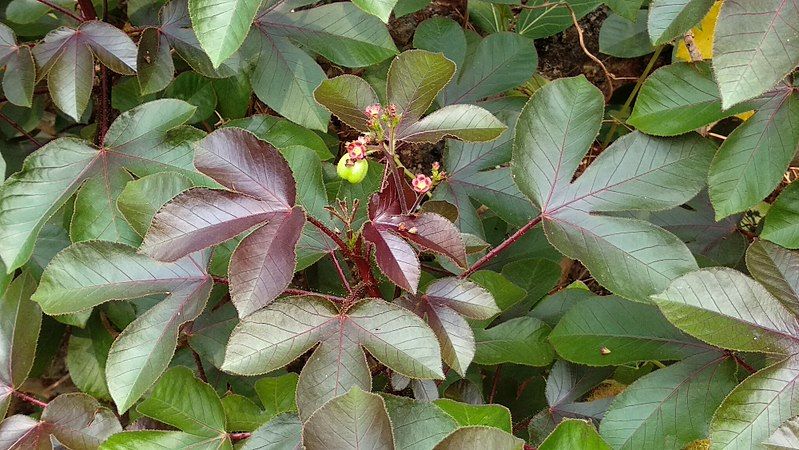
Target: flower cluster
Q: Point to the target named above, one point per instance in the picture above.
(379, 118)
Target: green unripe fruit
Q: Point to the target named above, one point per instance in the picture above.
(354, 173)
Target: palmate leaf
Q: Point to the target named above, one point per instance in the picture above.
(672, 407)
(20, 74)
(65, 57)
(480, 437)
(390, 227)
(545, 21)
(756, 45)
(445, 304)
(154, 62)
(21, 319)
(261, 193)
(76, 420)
(141, 141)
(754, 157)
(281, 433)
(553, 134)
(274, 336)
(90, 273)
(340, 423)
(87, 354)
(414, 79)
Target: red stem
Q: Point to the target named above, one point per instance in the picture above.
(87, 9)
(495, 384)
(501, 247)
(331, 234)
(22, 131)
(29, 399)
(104, 105)
(341, 275)
(61, 10)
(743, 363)
(235, 437)
(198, 362)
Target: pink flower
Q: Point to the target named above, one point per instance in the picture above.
(357, 149)
(373, 110)
(391, 110)
(422, 183)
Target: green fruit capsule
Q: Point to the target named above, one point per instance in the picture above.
(354, 173)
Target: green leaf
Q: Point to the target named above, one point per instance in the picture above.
(221, 26)
(195, 90)
(775, 268)
(136, 440)
(339, 423)
(154, 62)
(277, 393)
(20, 320)
(86, 358)
(757, 407)
(545, 20)
(284, 77)
(782, 220)
(20, 71)
(679, 98)
(625, 8)
(612, 331)
(442, 34)
(185, 402)
(555, 129)
(522, 340)
(414, 79)
(500, 62)
(480, 437)
(756, 45)
(142, 198)
(670, 407)
(379, 8)
(669, 19)
(347, 96)
(754, 157)
(725, 308)
(553, 133)
(625, 38)
(340, 32)
(283, 134)
(138, 141)
(281, 433)
(417, 425)
(648, 256)
(574, 434)
(468, 123)
(494, 416)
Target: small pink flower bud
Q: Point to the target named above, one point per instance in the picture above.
(373, 111)
(391, 110)
(436, 166)
(422, 183)
(356, 150)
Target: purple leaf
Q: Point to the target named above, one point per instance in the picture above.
(238, 160)
(262, 266)
(200, 218)
(394, 257)
(465, 297)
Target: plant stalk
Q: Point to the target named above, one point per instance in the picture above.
(501, 247)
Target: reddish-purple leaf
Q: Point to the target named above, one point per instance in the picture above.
(262, 266)
(238, 160)
(394, 257)
(200, 218)
(436, 234)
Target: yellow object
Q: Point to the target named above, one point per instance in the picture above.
(353, 172)
(703, 38)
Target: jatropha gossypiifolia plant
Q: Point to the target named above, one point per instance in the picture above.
(260, 225)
